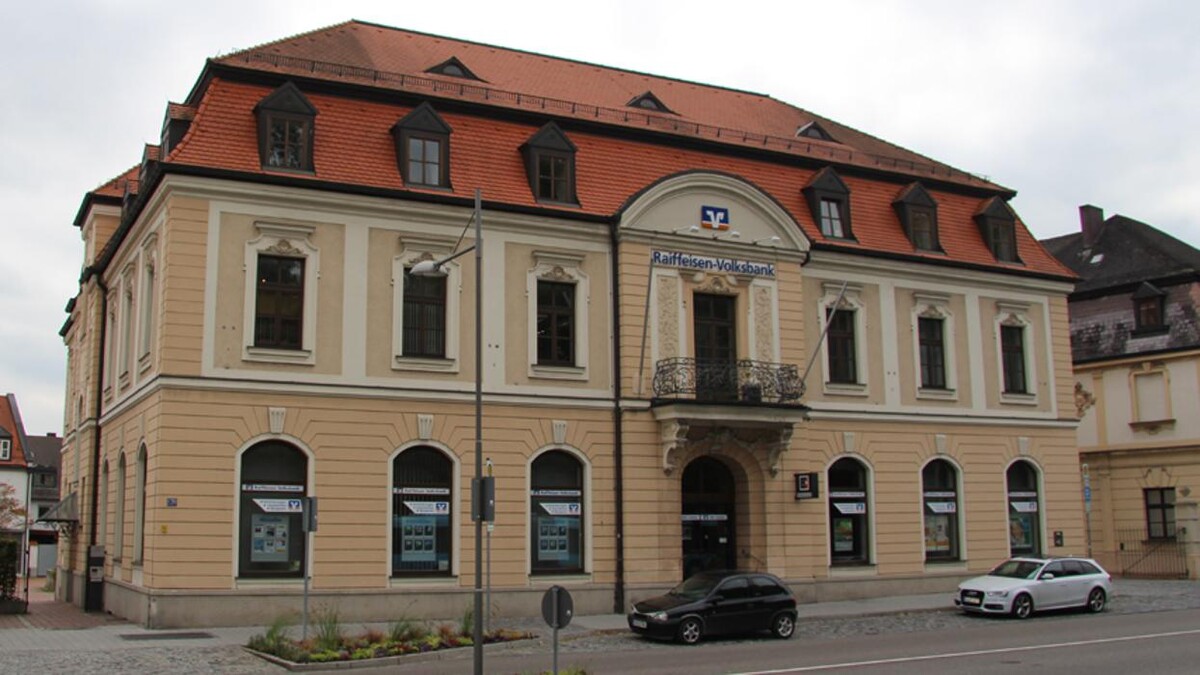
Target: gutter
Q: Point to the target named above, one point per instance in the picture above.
(93, 524)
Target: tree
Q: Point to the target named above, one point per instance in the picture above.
(11, 511)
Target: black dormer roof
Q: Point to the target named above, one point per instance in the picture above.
(287, 99)
(452, 67)
(648, 101)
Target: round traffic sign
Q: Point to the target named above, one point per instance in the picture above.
(557, 607)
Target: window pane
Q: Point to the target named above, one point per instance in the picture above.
(556, 518)
(1012, 346)
(422, 511)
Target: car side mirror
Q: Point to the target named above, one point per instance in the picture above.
(1047, 576)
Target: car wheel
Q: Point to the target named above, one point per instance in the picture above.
(1096, 600)
(690, 631)
(783, 626)
(1022, 606)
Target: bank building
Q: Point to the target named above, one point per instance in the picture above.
(716, 330)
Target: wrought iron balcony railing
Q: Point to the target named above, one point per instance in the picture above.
(727, 381)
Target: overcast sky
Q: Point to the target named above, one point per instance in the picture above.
(1066, 102)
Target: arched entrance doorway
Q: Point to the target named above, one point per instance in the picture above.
(709, 540)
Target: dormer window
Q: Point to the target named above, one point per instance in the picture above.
(423, 148)
(5, 448)
(814, 130)
(285, 129)
(997, 223)
(829, 200)
(648, 101)
(453, 68)
(918, 215)
(550, 165)
(1148, 305)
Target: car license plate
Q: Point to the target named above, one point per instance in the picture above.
(972, 601)
(639, 623)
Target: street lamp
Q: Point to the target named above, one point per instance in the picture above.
(436, 268)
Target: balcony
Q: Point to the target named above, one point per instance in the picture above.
(742, 382)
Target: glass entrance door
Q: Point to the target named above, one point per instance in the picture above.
(709, 540)
(716, 347)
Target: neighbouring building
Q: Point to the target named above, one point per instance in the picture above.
(29, 467)
(662, 262)
(1135, 342)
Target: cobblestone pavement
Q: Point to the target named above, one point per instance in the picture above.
(577, 646)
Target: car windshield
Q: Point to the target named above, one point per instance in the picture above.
(696, 587)
(1016, 569)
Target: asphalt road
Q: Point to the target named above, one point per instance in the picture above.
(1159, 643)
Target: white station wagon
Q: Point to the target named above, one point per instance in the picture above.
(1019, 586)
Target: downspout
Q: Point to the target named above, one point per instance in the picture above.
(618, 428)
(93, 524)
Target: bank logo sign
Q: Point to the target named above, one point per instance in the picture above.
(705, 263)
(714, 218)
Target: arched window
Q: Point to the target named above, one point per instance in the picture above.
(848, 512)
(556, 513)
(422, 512)
(939, 492)
(271, 542)
(139, 507)
(119, 511)
(1024, 504)
(102, 512)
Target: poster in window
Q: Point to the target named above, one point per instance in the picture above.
(843, 535)
(937, 533)
(554, 538)
(1020, 531)
(268, 538)
(419, 538)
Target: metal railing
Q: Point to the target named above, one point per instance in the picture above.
(744, 381)
(1142, 558)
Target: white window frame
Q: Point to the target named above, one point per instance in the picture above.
(1011, 313)
(127, 312)
(293, 241)
(417, 249)
(928, 305)
(5, 449)
(119, 509)
(852, 301)
(146, 330)
(561, 267)
(139, 504)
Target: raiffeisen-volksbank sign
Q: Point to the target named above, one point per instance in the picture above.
(703, 263)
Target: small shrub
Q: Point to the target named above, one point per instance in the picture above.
(447, 632)
(466, 625)
(329, 634)
(406, 630)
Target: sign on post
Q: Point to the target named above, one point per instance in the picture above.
(557, 609)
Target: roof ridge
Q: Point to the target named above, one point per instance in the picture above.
(264, 45)
(548, 56)
(1164, 244)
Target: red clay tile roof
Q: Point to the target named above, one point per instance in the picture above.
(116, 187)
(179, 111)
(380, 56)
(353, 145)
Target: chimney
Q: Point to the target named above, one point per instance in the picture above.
(1091, 220)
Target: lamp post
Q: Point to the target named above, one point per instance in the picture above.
(434, 268)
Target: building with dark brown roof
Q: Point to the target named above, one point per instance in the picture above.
(1135, 342)
(718, 330)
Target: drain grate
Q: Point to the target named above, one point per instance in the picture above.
(176, 635)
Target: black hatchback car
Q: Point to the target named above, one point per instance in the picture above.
(715, 603)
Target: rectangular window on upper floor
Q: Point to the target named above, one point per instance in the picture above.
(932, 346)
(555, 323)
(424, 320)
(1012, 355)
(843, 366)
(279, 302)
(282, 269)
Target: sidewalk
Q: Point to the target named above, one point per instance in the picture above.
(59, 626)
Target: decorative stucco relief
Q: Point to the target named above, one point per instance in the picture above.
(764, 325)
(668, 316)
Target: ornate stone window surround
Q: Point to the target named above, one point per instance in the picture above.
(562, 267)
(1139, 421)
(292, 241)
(1013, 313)
(851, 300)
(146, 331)
(930, 305)
(414, 249)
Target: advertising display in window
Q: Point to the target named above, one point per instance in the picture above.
(939, 480)
(273, 485)
(1023, 509)
(422, 539)
(269, 538)
(556, 513)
